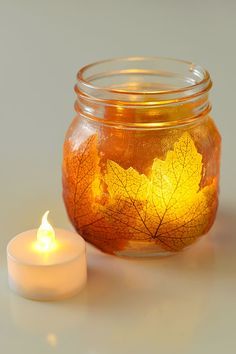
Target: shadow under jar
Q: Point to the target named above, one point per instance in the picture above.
(141, 157)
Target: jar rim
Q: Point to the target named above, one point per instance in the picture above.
(194, 79)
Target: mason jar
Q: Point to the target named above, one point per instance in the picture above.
(142, 156)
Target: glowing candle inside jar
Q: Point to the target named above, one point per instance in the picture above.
(46, 264)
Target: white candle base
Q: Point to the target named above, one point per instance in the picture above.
(47, 275)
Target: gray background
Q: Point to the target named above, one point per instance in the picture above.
(183, 304)
(44, 43)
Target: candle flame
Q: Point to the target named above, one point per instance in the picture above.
(45, 234)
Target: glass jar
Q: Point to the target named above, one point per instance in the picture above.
(141, 157)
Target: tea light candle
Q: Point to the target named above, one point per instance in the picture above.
(45, 264)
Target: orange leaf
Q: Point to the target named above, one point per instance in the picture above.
(166, 208)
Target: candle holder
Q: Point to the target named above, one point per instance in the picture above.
(141, 157)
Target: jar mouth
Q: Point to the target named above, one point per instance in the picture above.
(142, 80)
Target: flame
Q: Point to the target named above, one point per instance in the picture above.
(45, 234)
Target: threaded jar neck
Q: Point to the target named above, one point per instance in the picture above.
(143, 92)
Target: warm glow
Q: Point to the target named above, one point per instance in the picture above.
(45, 234)
(118, 208)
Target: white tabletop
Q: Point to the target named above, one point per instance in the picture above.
(180, 304)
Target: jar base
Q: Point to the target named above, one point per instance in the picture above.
(143, 254)
(142, 249)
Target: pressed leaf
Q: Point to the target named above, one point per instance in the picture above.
(166, 207)
(81, 180)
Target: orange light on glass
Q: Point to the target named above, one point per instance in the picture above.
(142, 156)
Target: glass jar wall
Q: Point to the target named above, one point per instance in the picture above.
(141, 157)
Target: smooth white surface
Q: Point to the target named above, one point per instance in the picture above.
(181, 304)
(47, 275)
(185, 304)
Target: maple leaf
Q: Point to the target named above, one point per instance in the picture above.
(81, 181)
(83, 195)
(167, 206)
